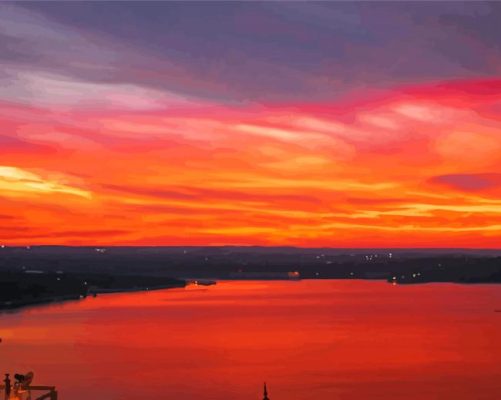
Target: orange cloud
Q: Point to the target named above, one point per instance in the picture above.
(358, 173)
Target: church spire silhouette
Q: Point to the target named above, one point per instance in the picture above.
(265, 393)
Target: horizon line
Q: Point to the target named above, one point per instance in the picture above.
(249, 246)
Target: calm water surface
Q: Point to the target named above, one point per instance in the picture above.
(308, 339)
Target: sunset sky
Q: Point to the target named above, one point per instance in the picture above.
(305, 124)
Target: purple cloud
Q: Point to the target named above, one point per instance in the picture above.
(469, 182)
(258, 52)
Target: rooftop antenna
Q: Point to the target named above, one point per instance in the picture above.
(265, 392)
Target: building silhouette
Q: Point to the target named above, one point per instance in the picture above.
(265, 392)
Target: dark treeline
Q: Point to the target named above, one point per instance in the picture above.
(401, 265)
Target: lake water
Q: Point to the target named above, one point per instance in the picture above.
(324, 339)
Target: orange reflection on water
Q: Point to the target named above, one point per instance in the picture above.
(308, 339)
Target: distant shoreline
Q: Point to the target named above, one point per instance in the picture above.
(18, 304)
(97, 291)
(29, 288)
(93, 292)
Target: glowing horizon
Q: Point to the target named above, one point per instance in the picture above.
(106, 140)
